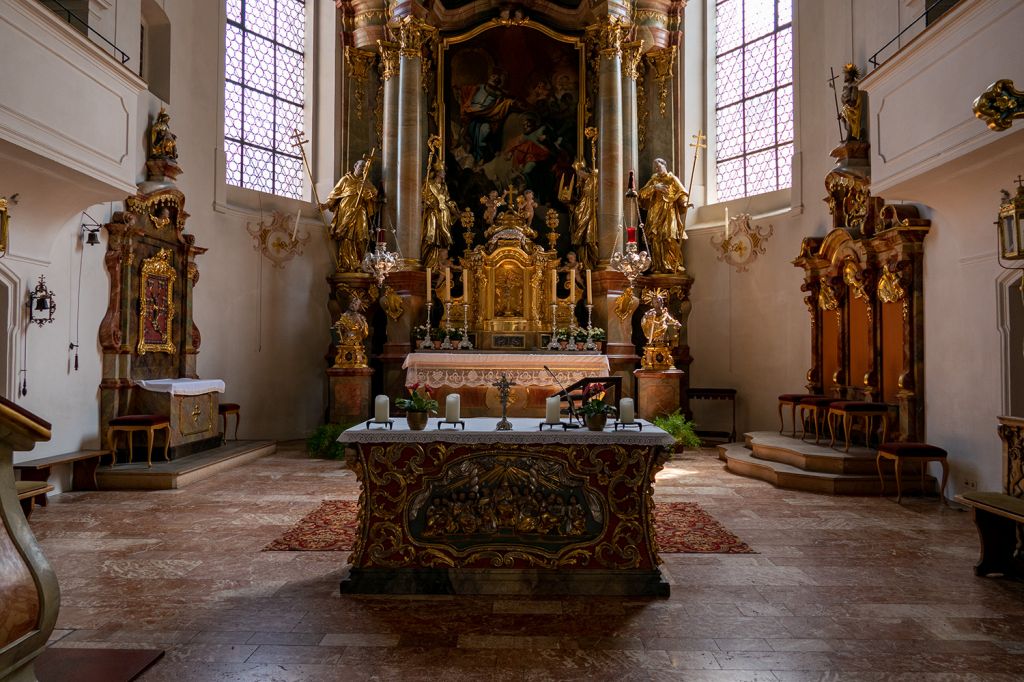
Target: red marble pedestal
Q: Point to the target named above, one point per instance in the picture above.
(349, 398)
(657, 392)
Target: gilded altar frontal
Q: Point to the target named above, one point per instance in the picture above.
(635, 340)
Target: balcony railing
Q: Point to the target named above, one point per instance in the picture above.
(75, 21)
(932, 12)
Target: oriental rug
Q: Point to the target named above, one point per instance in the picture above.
(680, 527)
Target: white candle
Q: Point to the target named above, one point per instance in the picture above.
(381, 408)
(467, 279)
(554, 287)
(590, 295)
(627, 411)
(452, 407)
(572, 286)
(552, 410)
(726, 222)
(447, 284)
(429, 272)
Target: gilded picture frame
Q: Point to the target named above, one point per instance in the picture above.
(156, 304)
(511, 100)
(5, 233)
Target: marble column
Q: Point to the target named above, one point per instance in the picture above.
(412, 33)
(389, 129)
(630, 132)
(609, 124)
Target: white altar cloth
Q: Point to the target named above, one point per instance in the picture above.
(483, 369)
(182, 386)
(480, 430)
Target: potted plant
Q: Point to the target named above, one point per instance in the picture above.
(594, 409)
(598, 335)
(419, 333)
(580, 338)
(436, 336)
(680, 428)
(562, 336)
(418, 406)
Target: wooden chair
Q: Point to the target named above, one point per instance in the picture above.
(922, 453)
(224, 409)
(849, 410)
(130, 423)
(815, 407)
(792, 400)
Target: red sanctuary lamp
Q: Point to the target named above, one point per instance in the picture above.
(631, 262)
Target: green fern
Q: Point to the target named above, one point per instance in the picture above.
(680, 428)
(324, 442)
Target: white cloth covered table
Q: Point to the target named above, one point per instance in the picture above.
(480, 430)
(483, 369)
(182, 386)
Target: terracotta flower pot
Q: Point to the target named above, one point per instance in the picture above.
(417, 420)
(596, 422)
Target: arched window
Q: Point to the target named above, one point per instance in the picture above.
(264, 94)
(753, 97)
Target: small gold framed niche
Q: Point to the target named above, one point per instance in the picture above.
(156, 304)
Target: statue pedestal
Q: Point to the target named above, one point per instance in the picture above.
(657, 392)
(349, 398)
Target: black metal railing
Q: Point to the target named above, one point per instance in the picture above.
(81, 25)
(933, 11)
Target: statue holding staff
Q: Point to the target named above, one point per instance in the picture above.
(353, 201)
(666, 201)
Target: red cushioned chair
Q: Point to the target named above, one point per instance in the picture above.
(922, 453)
(792, 399)
(815, 407)
(849, 410)
(130, 423)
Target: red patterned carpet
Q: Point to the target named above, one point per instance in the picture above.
(679, 527)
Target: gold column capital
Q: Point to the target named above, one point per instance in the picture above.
(359, 63)
(631, 53)
(663, 69)
(388, 59)
(412, 34)
(608, 33)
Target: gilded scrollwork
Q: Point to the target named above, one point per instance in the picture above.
(663, 69)
(475, 506)
(890, 290)
(392, 303)
(828, 299)
(359, 63)
(999, 105)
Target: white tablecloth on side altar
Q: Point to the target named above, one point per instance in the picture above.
(182, 386)
(483, 369)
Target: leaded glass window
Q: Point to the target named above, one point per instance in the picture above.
(264, 94)
(753, 96)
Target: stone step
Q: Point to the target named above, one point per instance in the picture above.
(769, 445)
(739, 460)
(184, 470)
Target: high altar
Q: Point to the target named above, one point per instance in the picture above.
(498, 195)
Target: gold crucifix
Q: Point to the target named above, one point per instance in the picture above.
(699, 142)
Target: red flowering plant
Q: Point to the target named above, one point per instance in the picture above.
(421, 399)
(593, 401)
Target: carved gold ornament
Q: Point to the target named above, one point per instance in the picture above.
(999, 105)
(626, 304)
(156, 304)
(5, 227)
(663, 69)
(392, 303)
(359, 63)
(388, 59)
(854, 280)
(889, 288)
(827, 298)
(608, 34)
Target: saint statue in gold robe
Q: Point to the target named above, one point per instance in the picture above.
(666, 202)
(583, 221)
(352, 330)
(661, 329)
(852, 113)
(439, 213)
(353, 200)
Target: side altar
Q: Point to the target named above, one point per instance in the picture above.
(479, 511)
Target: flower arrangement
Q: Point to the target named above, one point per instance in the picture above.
(598, 333)
(421, 399)
(420, 331)
(593, 401)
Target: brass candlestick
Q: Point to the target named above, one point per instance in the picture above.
(447, 343)
(553, 344)
(590, 329)
(426, 342)
(504, 385)
(465, 343)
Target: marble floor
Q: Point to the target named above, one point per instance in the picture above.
(840, 589)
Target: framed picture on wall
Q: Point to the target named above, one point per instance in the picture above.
(156, 304)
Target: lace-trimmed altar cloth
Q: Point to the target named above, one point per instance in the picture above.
(182, 386)
(525, 431)
(483, 369)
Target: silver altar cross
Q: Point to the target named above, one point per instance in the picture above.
(503, 385)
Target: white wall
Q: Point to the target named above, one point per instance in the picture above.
(751, 330)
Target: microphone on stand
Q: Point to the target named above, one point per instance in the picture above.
(572, 410)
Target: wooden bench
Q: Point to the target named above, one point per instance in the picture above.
(83, 468)
(999, 517)
(30, 492)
